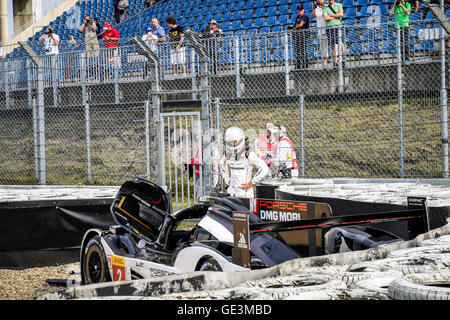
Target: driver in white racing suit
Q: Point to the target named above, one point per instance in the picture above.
(237, 164)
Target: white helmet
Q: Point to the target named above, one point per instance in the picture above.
(233, 134)
(269, 126)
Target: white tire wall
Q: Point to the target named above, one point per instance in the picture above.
(421, 286)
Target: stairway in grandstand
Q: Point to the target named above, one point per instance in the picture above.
(234, 16)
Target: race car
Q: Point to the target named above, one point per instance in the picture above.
(146, 238)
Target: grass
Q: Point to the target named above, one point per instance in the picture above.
(342, 139)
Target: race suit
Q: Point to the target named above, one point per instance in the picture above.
(265, 149)
(237, 170)
(286, 158)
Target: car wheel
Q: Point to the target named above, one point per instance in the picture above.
(95, 263)
(210, 265)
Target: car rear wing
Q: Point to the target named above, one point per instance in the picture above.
(417, 216)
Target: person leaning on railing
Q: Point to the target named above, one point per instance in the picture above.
(333, 13)
(402, 10)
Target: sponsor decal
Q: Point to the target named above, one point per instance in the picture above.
(118, 266)
(241, 250)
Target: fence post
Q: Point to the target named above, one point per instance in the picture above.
(6, 65)
(147, 139)
(237, 67)
(302, 136)
(116, 76)
(286, 63)
(443, 97)
(340, 62)
(54, 74)
(400, 100)
(83, 77)
(40, 115)
(88, 141)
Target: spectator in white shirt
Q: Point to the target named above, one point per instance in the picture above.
(317, 14)
(51, 41)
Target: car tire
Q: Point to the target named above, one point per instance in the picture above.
(95, 263)
(210, 264)
(424, 286)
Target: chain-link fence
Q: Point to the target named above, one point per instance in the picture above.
(368, 113)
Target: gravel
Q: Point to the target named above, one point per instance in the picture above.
(19, 284)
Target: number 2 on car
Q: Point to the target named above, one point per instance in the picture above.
(118, 267)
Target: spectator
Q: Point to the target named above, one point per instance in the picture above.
(402, 10)
(149, 3)
(211, 33)
(150, 39)
(300, 34)
(111, 41)
(416, 2)
(317, 14)
(158, 30)
(98, 28)
(286, 159)
(51, 41)
(1, 53)
(116, 11)
(333, 14)
(72, 42)
(89, 28)
(264, 148)
(122, 9)
(178, 52)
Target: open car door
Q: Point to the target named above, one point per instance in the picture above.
(142, 208)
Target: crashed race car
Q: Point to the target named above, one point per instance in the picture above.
(147, 237)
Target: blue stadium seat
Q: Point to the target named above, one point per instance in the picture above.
(347, 3)
(260, 3)
(272, 21)
(236, 25)
(272, 3)
(350, 13)
(260, 22)
(361, 3)
(248, 23)
(284, 9)
(226, 16)
(283, 19)
(272, 11)
(236, 15)
(249, 4)
(241, 5)
(248, 14)
(260, 12)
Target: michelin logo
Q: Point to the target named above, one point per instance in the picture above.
(279, 216)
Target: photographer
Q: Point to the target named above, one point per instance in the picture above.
(317, 14)
(402, 10)
(89, 28)
(51, 41)
(212, 33)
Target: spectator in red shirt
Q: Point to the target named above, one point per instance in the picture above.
(111, 40)
(110, 36)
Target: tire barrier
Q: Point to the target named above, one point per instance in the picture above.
(335, 274)
(421, 286)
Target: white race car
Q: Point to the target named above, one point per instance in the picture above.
(146, 238)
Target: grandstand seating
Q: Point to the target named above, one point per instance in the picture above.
(238, 16)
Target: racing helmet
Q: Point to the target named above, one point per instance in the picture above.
(233, 134)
